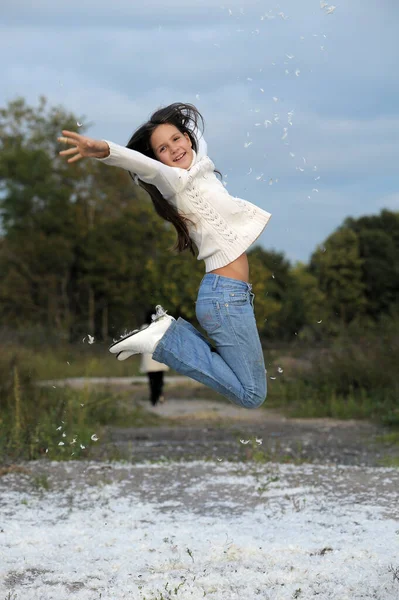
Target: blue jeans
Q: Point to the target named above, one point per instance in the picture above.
(235, 366)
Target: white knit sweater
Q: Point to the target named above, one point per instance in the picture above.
(225, 226)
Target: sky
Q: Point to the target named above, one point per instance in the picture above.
(194, 530)
(300, 100)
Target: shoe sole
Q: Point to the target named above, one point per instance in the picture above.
(126, 337)
(127, 353)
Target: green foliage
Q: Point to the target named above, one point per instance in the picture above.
(337, 265)
(379, 249)
(52, 422)
(355, 376)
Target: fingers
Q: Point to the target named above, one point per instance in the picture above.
(68, 152)
(72, 152)
(71, 134)
(75, 158)
(67, 140)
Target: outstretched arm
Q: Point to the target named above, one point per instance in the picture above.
(168, 180)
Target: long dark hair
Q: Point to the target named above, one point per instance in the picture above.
(187, 119)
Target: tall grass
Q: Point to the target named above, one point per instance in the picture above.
(77, 360)
(55, 422)
(355, 377)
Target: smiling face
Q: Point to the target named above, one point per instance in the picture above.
(172, 147)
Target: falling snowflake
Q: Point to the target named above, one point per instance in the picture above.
(79, 124)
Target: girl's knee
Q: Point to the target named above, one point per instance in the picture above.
(255, 398)
(255, 401)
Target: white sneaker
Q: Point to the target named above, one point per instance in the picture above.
(143, 340)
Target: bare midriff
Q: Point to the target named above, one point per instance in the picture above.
(238, 269)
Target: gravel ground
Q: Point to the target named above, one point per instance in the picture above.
(210, 429)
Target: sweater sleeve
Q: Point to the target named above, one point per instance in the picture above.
(168, 180)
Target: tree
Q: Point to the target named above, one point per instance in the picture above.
(338, 268)
(379, 250)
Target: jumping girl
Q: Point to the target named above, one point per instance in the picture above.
(167, 157)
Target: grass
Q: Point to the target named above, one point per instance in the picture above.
(352, 379)
(63, 423)
(74, 361)
(256, 453)
(391, 439)
(389, 462)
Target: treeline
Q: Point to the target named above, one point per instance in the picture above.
(83, 251)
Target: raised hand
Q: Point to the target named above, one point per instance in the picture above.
(82, 146)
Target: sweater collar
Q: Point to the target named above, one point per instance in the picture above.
(194, 160)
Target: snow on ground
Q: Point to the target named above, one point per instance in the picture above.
(220, 531)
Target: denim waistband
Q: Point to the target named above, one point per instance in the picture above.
(214, 281)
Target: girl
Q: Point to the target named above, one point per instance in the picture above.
(167, 157)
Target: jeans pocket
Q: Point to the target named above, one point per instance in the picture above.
(237, 298)
(207, 311)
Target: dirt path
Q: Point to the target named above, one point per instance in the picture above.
(201, 428)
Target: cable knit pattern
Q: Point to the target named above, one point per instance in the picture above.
(224, 226)
(201, 206)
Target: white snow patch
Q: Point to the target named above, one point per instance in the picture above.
(223, 531)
